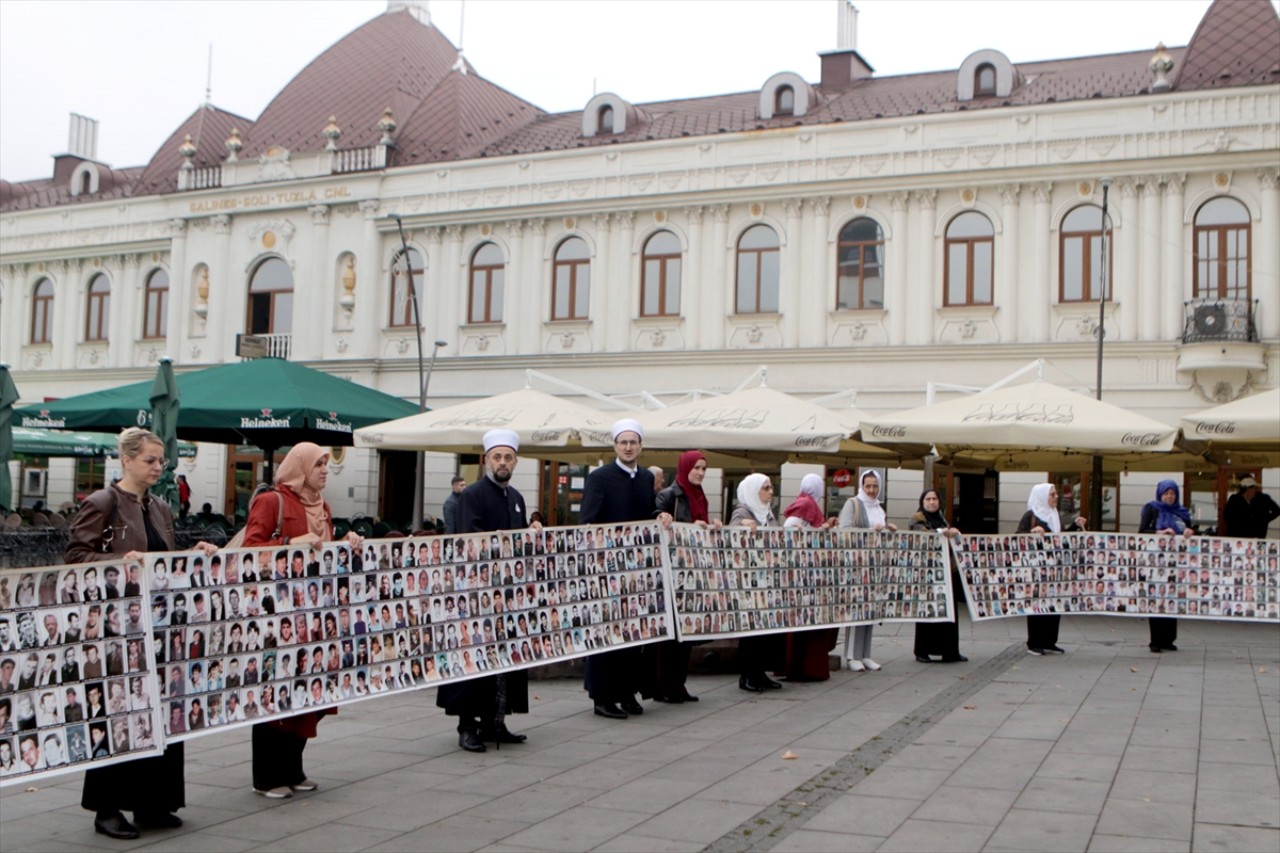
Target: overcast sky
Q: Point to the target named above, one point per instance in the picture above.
(139, 66)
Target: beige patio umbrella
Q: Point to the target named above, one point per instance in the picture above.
(1036, 425)
(1242, 432)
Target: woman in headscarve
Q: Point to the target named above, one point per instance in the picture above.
(1165, 515)
(808, 651)
(1042, 517)
(864, 511)
(298, 507)
(755, 494)
(685, 501)
(939, 638)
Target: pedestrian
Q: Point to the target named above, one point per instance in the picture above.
(686, 502)
(184, 496)
(1042, 517)
(616, 492)
(939, 638)
(123, 519)
(808, 652)
(1167, 516)
(863, 511)
(659, 478)
(754, 510)
(1249, 510)
(489, 504)
(293, 513)
(456, 485)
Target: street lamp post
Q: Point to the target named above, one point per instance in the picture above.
(1095, 480)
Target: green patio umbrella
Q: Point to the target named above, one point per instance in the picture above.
(164, 422)
(51, 442)
(8, 396)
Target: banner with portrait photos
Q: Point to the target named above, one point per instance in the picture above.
(77, 688)
(1121, 574)
(255, 634)
(734, 581)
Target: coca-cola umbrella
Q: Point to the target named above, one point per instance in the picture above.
(1033, 426)
(1242, 432)
(267, 402)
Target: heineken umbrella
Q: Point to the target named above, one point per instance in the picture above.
(1242, 432)
(52, 442)
(165, 406)
(1040, 419)
(8, 396)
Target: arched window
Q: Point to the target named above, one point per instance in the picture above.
(660, 276)
(402, 313)
(969, 270)
(1080, 256)
(155, 312)
(758, 271)
(984, 79)
(485, 298)
(784, 101)
(571, 286)
(86, 182)
(97, 314)
(270, 299)
(860, 266)
(604, 119)
(42, 312)
(1221, 254)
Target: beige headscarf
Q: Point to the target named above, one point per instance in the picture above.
(292, 474)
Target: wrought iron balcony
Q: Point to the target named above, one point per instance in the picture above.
(1217, 320)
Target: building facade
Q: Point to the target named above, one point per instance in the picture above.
(857, 232)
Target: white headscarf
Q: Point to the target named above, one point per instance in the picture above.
(873, 507)
(749, 496)
(1038, 503)
(811, 485)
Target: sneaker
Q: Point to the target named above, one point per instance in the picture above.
(305, 785)
(871, 665)
(1057, 650)
(1036, 652)
(855, 665)
(281, 793)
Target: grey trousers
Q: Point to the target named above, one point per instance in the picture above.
(857, 644)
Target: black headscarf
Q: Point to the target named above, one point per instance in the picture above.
(935, 520)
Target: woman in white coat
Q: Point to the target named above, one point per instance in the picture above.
(863, 511)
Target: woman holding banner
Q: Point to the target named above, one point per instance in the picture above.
(755, 494)
(123, 519)
(864, 511)
(939, 638)
(293, 513)
(1165, 515)
(1042, 517)
(808, 651)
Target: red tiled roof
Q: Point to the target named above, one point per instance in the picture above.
(459, 118)
(45, 192)
(1236, 44)
(209, 128)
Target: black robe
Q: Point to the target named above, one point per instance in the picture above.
(485, 506)
(614, 496)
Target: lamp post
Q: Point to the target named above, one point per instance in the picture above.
(420, 462)
(1095, 479)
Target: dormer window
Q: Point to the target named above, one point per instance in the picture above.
(984, 80)
(784, 101)
(606, 114)
(604, 119)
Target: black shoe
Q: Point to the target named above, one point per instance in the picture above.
(502, 734)
(1056, 650)
(956, 659)
(469, 739)
(688, 697)
(668, 699)
(610, 710)
(768, 683)
(1032, 650)
(745, 683)
(157, 820)
(115, 826)
(1171, 648)
(924, 659)
(631, 706)
(1155, 649)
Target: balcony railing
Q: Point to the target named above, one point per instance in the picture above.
(264, 346)
(1217, 320)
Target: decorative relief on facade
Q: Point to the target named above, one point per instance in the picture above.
(369, 208)
(221, 223)
(319, 214)
(273, 165)
(273, 235)
(968, 326)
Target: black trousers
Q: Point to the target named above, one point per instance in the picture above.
(277, 757)
(1042, 631)
(613, 676)
(666, 666)
(1164, 631)
(146, 786)
(942, 638)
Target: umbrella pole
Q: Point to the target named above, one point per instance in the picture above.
(268, 464)
(1095, 479)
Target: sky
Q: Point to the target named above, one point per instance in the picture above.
(140, 67)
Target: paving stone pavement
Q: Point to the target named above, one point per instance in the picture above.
(1107, 748)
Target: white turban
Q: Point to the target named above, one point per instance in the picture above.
(627, 425)
(501, 438)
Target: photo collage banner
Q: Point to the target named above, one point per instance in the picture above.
(733, 581)
(76, 671)
(1121, 574)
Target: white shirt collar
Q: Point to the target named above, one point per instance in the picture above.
(631, 472)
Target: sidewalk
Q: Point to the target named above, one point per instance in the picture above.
(1106, 748)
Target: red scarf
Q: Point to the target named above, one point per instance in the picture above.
(806, 509)
(693, 495)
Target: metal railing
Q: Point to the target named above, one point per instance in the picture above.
(1217, 320)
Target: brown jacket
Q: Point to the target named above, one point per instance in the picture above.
(96, 514)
